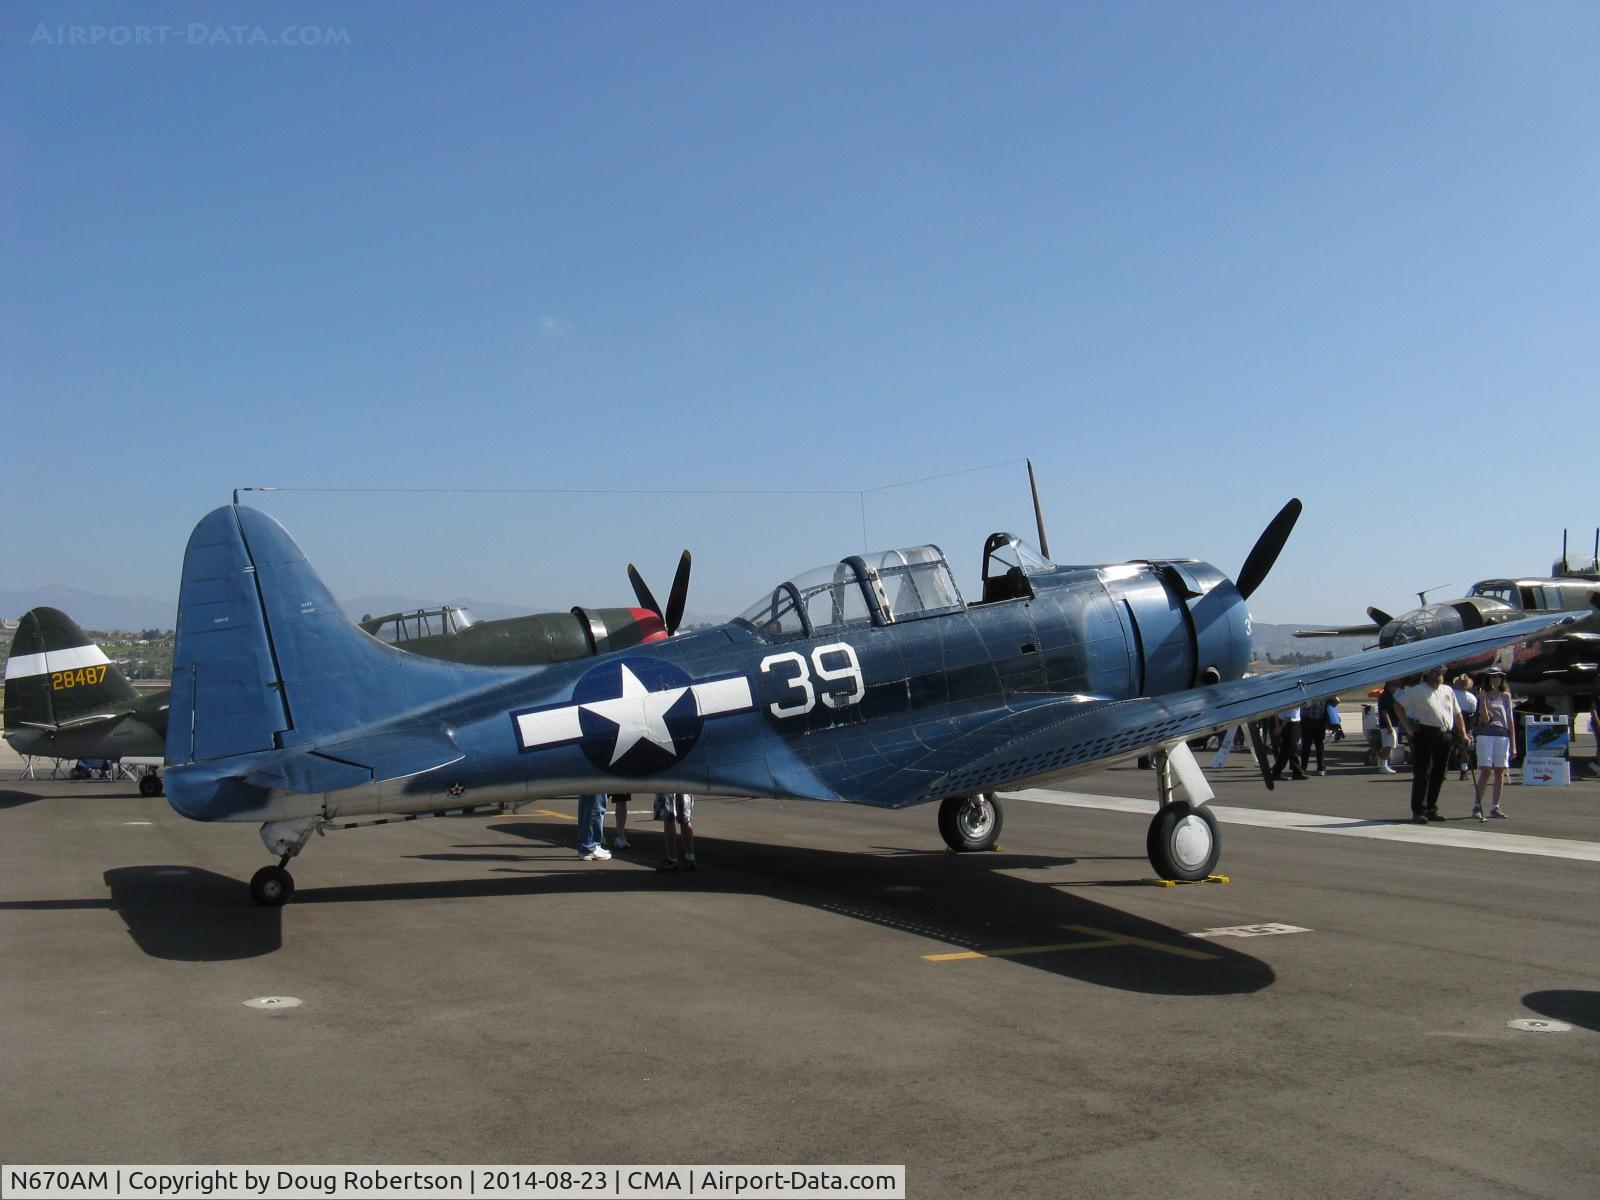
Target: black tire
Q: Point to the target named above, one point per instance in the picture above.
(1183, 842)
(79, 773)
(271, 887)
(149, 785)
(971, 823)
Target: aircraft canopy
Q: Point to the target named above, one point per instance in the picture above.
(399, 628)
(881, 588)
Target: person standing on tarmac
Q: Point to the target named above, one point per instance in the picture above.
(620, 799)
(1466, 760)
(1388, 728)
(675, 811)
(1429, 713)
(1288, 744)
(1313, 732)
(1496, 738)
(592, 827)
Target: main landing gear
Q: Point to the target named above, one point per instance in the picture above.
(271, 887)
(1183, 841)
(150, 784)
(971, 823)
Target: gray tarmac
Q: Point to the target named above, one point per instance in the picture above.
(830, 987)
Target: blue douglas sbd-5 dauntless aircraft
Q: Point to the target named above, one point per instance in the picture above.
(872, 680)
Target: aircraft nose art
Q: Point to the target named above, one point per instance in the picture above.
(633, 716)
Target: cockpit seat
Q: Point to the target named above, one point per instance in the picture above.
(1013, 585)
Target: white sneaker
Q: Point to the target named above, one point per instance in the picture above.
(1387, 769)
(600, 852)
(620, 842)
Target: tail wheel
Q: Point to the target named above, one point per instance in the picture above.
(1184, 842)
(971, 823)
(271, 887)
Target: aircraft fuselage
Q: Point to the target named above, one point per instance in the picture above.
(824, 713)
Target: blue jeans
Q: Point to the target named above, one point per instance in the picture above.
(591, 822)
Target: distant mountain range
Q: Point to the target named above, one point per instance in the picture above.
(1279, 640)
(90, 609)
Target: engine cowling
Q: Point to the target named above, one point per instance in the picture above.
(1187, 623)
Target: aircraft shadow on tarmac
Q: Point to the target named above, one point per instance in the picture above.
(963, 902)
(966, 901)
(16, 799)
(1575, 1007)
(178, 912)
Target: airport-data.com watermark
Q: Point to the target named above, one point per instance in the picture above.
(189, 35)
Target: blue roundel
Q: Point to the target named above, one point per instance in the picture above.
(638, 715)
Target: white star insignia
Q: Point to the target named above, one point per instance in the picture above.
(639, 714)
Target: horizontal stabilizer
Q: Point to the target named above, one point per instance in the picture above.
(353, 761)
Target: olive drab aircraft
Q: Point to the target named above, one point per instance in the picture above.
(66, 699)
(452, 633)
(872, 680)
(1556, 674)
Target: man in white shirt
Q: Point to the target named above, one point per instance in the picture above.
(1429, 713)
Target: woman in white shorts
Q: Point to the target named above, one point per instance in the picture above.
(1495, 737)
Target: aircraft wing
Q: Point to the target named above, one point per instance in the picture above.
(1343, 631)
(1068, 737)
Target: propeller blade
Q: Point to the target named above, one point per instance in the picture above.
(646, 600)
(1379, 617)
(679, 594)
(1267, 548)
(1259, 745)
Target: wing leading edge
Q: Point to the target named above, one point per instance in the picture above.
(1067, 738)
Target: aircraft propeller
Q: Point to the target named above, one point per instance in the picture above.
(1379, 617)
(676, 598)
(1267, 548)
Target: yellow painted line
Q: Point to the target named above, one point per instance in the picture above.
(549, 812)
(1103, 939)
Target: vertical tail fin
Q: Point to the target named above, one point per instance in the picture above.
(58, 677)
(265, 660)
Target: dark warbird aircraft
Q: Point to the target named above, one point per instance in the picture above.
(66, 699)
(452, 633)
(1557, 674)
(872, 680)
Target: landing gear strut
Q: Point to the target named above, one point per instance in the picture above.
(970, 823)
(1183, 841)
(271, 887)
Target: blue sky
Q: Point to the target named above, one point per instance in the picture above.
(1192, 258)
